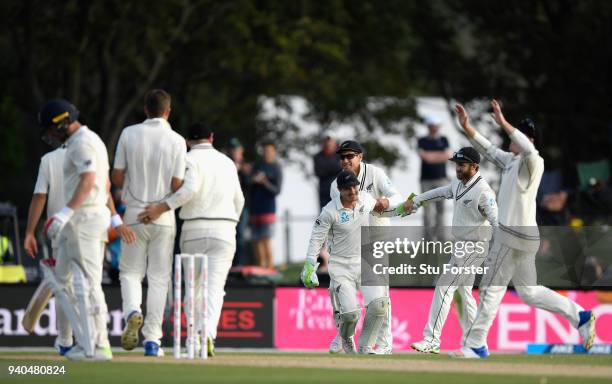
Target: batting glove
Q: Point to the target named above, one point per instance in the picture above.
(309, 275)
(56, 223)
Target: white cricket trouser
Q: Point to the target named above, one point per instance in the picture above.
(64, 329)
(446, 287)
(220, 250)
(345, 281)
(384, 339)
(150, 255)
(507, 264)
(81, 244)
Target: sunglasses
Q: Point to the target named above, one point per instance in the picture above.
(350, 156)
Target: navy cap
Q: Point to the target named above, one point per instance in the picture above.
(347, 178)
(466, 155)
(198, 131)
(350, 145)
(527, 126)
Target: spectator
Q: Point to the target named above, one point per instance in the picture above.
(326, 167)
(236, 153)
(265, 184)
(434, 153)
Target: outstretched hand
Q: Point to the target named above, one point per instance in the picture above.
(497, 114)
(462, 115)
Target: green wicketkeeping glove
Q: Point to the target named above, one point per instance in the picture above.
(400, 211)
(309, 275)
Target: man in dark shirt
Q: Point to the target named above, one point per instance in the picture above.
(266, 181)
(236, 153)
(434, 153)
(326, 167)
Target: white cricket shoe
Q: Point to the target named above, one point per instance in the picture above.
(425, 346)
(348, 345)
(366, 350)
(336, 345)
(77, 353)
(103, 354)
(383, 350)
(471, 353)
(587, 329)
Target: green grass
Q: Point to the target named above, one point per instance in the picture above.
(151, 373)
(106, 373)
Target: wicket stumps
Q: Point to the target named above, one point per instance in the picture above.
(192, 331)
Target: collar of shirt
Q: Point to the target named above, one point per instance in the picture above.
(81, 131)
(472, 180)
(202, 146)
(340, 207)
(157, 121)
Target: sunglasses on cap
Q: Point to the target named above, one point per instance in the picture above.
(348, 156)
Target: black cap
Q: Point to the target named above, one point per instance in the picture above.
(198, 131)
(350, 145)
(527, 126)
(347, 178)
(466, 155)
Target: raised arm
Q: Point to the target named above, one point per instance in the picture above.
(482, 144)
(525, 145)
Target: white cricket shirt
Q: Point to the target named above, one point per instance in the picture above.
(50, 180)
(342, 229)
(210, 196)
(151, 154)
(85, 152)
(474, 208)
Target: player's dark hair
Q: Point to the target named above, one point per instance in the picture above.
(157, 101)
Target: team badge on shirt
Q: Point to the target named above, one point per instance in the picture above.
(344, 217)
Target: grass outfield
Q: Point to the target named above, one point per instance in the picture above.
(298, 368)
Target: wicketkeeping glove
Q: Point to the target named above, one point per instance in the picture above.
(55, 224)
(309, 275)
(400, 211)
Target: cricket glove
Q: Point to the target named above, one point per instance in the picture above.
(56, 223)
(309, 275)
(400, 211)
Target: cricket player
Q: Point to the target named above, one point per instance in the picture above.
(340, 223)
(48, 190)
(516, 239)
(211, 201)
(475, 211)
(375, 182)
(149, 166)
(80, 228)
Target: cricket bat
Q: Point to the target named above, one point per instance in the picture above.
(36, 306)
